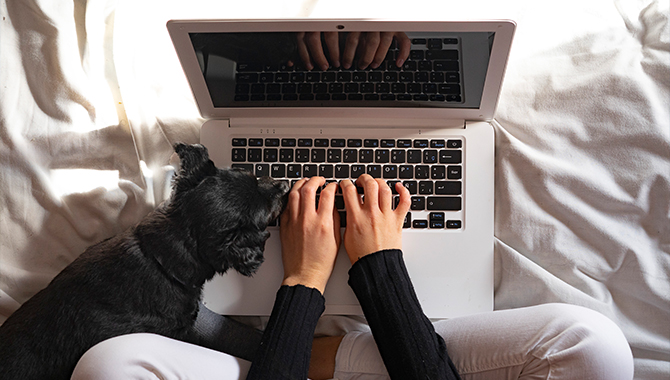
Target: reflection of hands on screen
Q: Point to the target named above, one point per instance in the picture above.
(369, 49)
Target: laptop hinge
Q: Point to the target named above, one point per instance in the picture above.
(345, 123)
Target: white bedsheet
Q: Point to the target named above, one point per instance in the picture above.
(92, 97)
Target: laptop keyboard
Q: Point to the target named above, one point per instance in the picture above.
(431, 169)
(430, 73)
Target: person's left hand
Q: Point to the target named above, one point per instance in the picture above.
(310, 237)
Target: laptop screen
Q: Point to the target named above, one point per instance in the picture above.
(344, 69)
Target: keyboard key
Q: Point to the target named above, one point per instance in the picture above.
(434, 44)
(454, 144)
(406, 172)
(421, 143)
(390, 171)
(365, 156)
(254, 154)
(411, 186)
(443, 203)
(386, 143)
(371, 143)
(239, 155)
(270, 155)
(451, 55)
(288, 142)
(334, 155)
(398, 156)
(426, 187)
(294, 171)
(285, 155)
(309, 170)
(454, 172)
(357, 171)
(255, 142)
(436, 219)
(318, 155)
(453, 224)
(418, 203)
(321, 143)
(341, 171)
(429, 156)
(413, 156)
(337, 143)
(382, 156)
(404, 143)
(278, 171)
(420, 223)
(421, 172)
(450, 157)
(375, 171)
(305, 142)
(354, 143)
(447, 188)
(326, 171)
(407, 223)
(439, 144)
(247, 167)
(350, 156)
(262, 170)
(239, 142)
(445, 66)
(437, 172)
(302, 155)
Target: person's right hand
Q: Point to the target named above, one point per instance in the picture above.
(372, 224)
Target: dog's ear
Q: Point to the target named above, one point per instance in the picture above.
(245, 251)
(195, 165)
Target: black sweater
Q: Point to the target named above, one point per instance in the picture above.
(406, 338)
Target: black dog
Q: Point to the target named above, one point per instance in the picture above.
(150, 278)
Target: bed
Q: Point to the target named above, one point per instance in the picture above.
(92, 97)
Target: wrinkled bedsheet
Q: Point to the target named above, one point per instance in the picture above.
(92, 97)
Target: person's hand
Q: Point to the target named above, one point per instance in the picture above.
(367, 48)
(372, 224)
(310, 237)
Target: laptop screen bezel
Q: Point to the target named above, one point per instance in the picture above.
(180, 31)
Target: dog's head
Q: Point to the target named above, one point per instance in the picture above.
(227, 211)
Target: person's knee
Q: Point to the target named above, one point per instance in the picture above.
(588, 343)
(117, 358)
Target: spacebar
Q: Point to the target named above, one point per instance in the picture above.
(443, 203)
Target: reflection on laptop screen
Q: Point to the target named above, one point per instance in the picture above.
(332, 69)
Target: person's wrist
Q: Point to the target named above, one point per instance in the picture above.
(309, 281)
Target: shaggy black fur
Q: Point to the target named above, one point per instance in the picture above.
(150, 278)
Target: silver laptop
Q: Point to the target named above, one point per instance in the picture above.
(281, 100)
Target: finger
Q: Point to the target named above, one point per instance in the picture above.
(370, 191)
(308, 195)
(327, 199)
(404, 201)
(404, 46)
(352, 201)
(293, 204)
(350, 48)
(385, 41)
(316, 50)
(385, 196)
(303, 52)
(333, 44)
(370, 45)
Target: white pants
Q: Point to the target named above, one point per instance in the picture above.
(553, 341)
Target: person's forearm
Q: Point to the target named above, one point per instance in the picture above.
(407, 341)
(285, 348)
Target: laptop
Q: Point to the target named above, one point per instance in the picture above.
(297, 98)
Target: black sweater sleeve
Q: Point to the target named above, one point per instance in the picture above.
(286, 345)
(407, 341)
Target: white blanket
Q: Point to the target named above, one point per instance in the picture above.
(92, 97)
